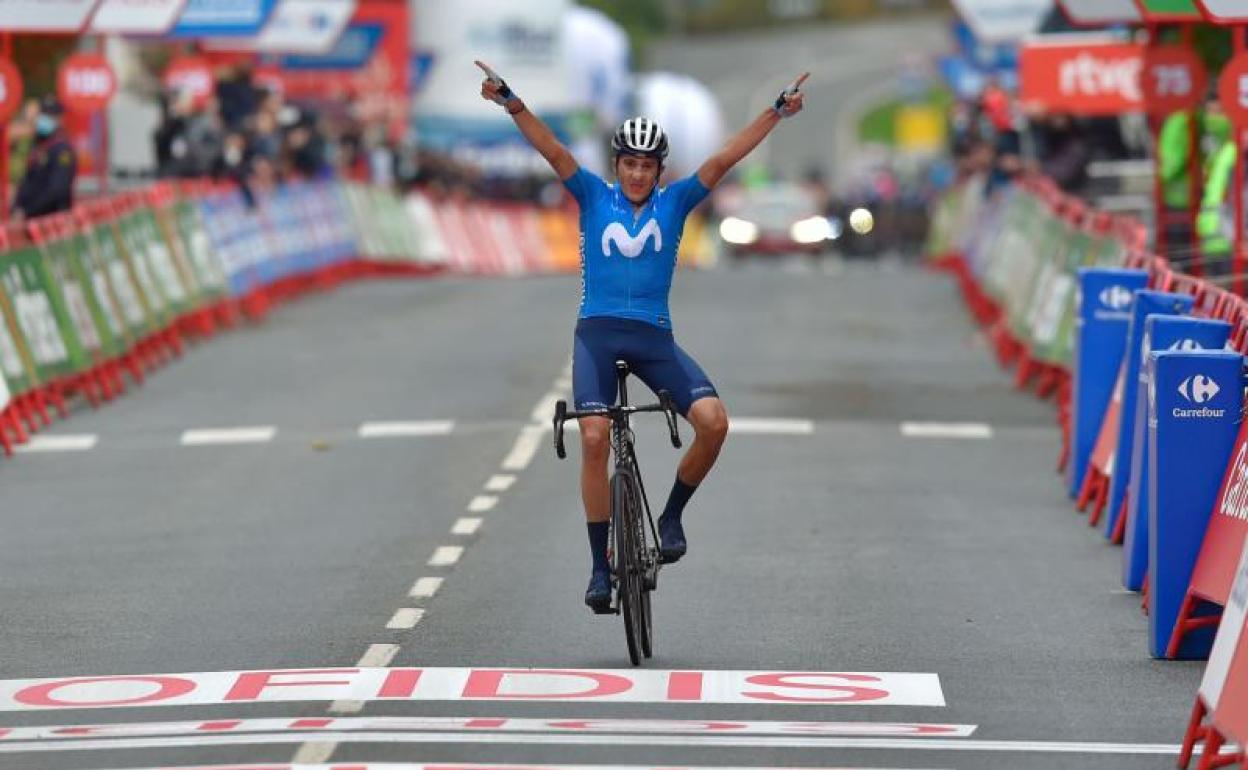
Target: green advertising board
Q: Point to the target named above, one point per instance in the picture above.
(41, 314)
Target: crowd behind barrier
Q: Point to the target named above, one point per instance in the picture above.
(1147, 368)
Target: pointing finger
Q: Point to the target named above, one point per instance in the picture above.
(800, 80)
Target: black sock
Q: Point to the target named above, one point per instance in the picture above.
(676, 501)
(599, 531)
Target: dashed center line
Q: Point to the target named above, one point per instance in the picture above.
(425, 588)
(467, 525)
(211, 436)
(59, 443)
(500, 483)
(446, 555)
(525, 448)
(405, 617)
(482, 503)
(406, 428)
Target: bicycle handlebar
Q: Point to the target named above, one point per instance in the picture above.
(665, 405)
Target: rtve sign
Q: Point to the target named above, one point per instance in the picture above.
(1086, 78)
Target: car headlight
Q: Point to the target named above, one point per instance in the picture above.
(861, 221)
(738, 231)
(811, 230)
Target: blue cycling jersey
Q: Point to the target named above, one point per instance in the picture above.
(627, 260)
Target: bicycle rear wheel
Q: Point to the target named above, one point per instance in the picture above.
(628, 566)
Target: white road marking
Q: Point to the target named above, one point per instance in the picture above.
(467, 525)
(210, 436)
(59, 443)
(446, 555)
(405, 617)
(569, 739)
(425, 588)
(763, 425)
(413, 428)
(376, 656)
(488, 724)
(563, 384)
(526, 445)
(482, 503)
(314, 752)
(967, 430)
(545, 409)
(472, 766)
(369, 683)
(500, 482)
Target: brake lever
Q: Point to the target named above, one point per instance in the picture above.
(669, 414)
(561, 409)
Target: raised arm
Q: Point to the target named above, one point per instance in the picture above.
(538, 134)
(789, 103)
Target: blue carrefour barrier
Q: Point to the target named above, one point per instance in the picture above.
(1105, 296)
(1147, 302)
(1194, 403)
(1161, 333)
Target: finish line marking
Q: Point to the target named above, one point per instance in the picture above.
(224, 728)
(452, 766)
(630, 739)
(962, 430)
(377, 683)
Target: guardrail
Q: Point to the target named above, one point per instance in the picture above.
(1147, 365)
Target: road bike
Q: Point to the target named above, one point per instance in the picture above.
(634, 554)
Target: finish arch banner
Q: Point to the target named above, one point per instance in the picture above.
(1099, 12)
(86, 83)
(45, 15)
(1086, 78)
(136, 17)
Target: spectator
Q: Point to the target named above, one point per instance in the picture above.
(1064, 152)
(48, 184)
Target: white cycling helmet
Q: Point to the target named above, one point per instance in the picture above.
(640, 136)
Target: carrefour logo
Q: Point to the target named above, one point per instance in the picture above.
(1187, 345)
(1198, 389)
(1116, 297)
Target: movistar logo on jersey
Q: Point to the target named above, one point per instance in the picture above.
(629, 245)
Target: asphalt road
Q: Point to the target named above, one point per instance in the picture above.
(853, 67)
(848, 548)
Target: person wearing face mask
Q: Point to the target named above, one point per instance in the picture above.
(630, 233)
(48, 186)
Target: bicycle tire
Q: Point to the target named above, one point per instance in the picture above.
(645, 619)
(627, 575)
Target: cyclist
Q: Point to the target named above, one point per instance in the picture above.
(630, 233)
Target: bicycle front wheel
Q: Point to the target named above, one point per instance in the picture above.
(628, 563)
